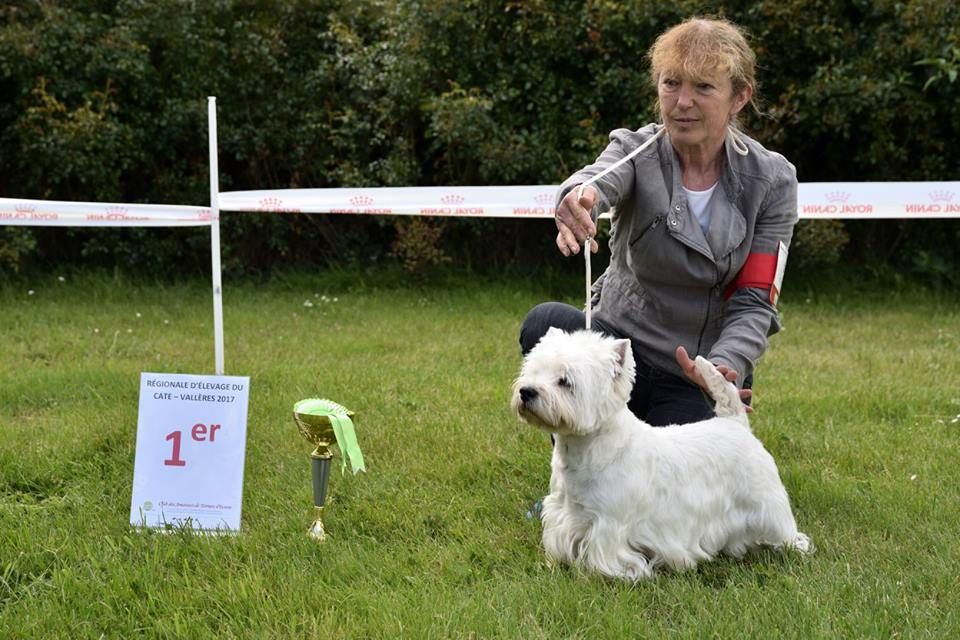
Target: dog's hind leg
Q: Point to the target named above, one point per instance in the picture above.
(802, 543)
(773, 525)
(723, 392)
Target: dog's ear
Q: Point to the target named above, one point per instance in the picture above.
(624, 368)
(620, 349)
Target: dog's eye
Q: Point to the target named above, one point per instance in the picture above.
(563, 382)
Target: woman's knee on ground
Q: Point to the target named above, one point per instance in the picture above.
(546, 315)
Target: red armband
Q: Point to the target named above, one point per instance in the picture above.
(761, 271)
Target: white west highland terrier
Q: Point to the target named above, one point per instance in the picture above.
(627, 498)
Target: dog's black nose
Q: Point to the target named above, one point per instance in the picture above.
(527, 394)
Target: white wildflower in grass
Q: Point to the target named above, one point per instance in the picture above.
(30, 292)
(95, 330)
(61, 279)
(138, 315)
(336, 299)
(307, 303)
(129, 330)
(913, 477)
(166, 322)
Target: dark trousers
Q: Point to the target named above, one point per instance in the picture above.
(659, 398)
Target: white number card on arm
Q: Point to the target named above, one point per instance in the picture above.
(191, 441)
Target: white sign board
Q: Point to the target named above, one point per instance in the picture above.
(191, 440)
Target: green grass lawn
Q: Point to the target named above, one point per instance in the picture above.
(858, 400)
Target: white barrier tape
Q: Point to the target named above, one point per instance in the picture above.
(52, 213)
(817, 200)
(874, 200)
(466, 202)
(825, 200)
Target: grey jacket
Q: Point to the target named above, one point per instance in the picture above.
(666, 280)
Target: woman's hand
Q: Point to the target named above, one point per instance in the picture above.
(689, 370)
(574, 222)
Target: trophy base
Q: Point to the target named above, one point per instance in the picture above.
(316, 530)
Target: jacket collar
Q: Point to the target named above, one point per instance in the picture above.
(728, 226)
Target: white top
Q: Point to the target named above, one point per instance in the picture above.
(699, 203)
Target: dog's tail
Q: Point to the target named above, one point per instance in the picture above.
(723, 392)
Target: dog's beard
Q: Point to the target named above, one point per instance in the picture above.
(537, 415)
(560, 427)
(530, 416)
(551, 412)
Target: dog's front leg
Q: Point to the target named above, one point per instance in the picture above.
(564, 527)
(616, 557)
(572, 538)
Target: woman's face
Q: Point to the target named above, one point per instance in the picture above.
(696, 111)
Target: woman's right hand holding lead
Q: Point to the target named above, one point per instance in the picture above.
(574, 222)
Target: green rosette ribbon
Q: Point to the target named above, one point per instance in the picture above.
(343, 429)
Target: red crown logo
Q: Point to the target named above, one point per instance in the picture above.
(204, 214)
(270, 204)
(24, 208)
(361, 201)
(452, 199)
(837, 196)
(544, 198)
(118, 212)
(942, 196)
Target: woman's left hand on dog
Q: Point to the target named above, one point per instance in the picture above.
(689, 370)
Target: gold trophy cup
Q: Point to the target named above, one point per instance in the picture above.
(318, 430)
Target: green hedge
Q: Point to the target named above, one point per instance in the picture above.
(104, 100)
